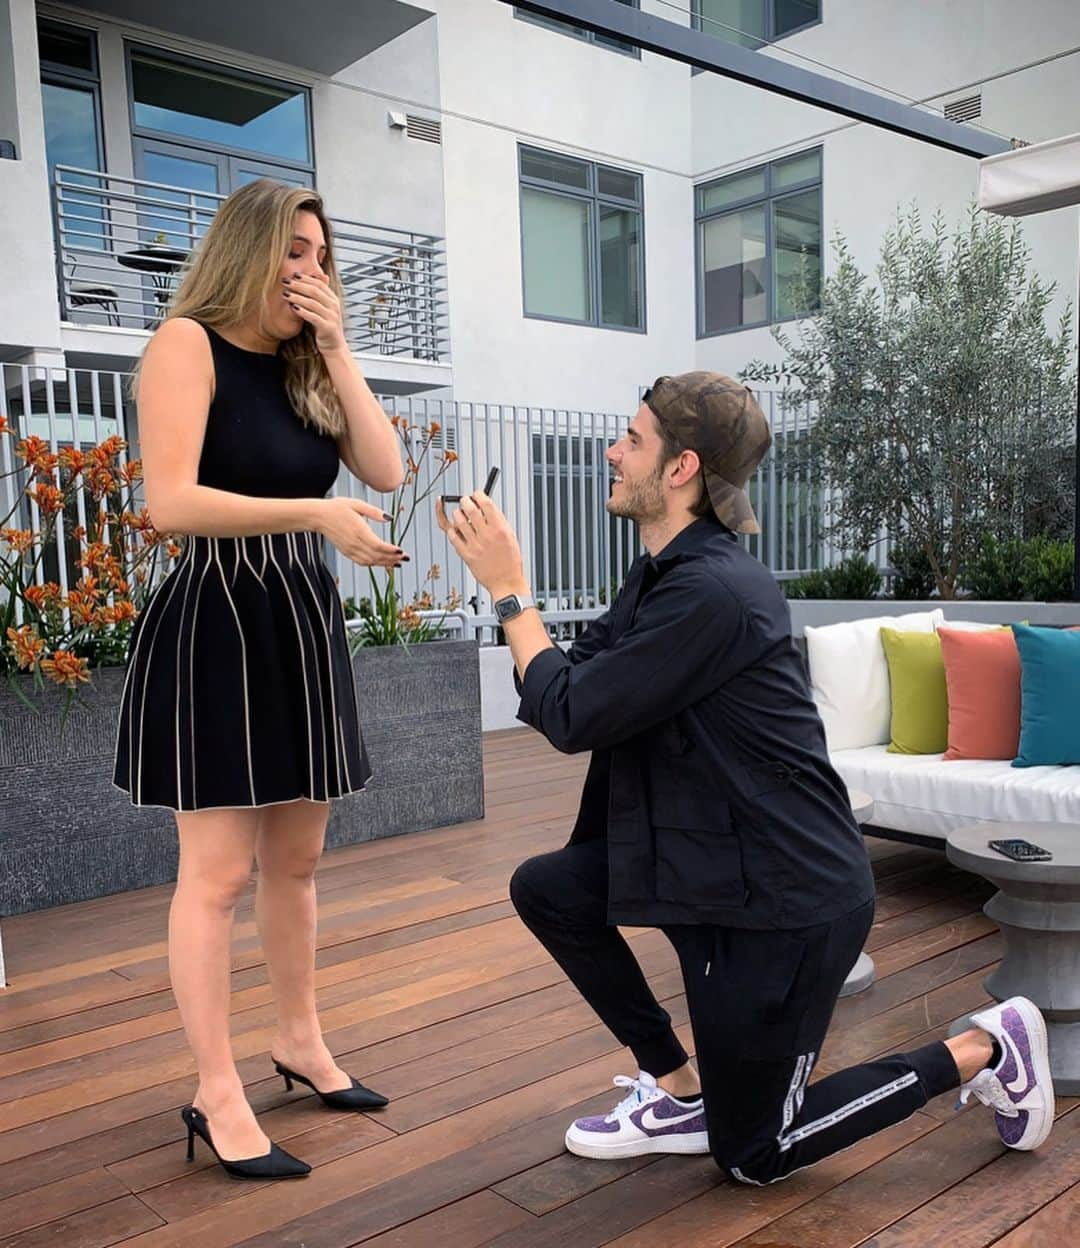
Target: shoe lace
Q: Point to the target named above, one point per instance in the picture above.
(636, 1096)
(988, 1088)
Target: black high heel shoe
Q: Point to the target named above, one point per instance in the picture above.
(356, 1097)
(276, 1164)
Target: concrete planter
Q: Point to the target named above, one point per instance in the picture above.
(66, 834)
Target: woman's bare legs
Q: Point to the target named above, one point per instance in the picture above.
(288, 846)
(216, 852)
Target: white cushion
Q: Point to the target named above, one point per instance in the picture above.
(921, 793)
(850, 677)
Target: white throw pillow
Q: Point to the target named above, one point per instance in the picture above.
(850, 677)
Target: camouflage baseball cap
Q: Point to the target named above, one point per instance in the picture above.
(720, 420)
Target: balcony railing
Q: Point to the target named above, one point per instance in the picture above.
(122, 243)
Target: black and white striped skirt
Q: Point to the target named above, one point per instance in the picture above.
(239, 689)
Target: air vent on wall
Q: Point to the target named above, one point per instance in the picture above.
(426, 129)
(966, 109)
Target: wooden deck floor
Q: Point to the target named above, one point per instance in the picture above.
(433, 991)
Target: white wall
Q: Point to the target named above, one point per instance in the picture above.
(505, 80)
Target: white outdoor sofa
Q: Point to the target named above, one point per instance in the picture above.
(921, 798)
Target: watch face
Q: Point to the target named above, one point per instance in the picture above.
(507, 608)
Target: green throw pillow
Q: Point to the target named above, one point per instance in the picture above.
(920, 703)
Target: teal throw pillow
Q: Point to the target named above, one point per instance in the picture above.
(1049, 696)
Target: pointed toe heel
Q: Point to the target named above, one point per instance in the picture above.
(276, 1164)
(357, 1097)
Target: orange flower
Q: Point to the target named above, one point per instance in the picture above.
(65, 668)
(395, 421)
(4, 426)
(436, 428)
(78, 533)
(37, 456)
(72, 460)
(450, 457)
(82, 607)
(100, 480)
(119, 613)
(25, 645)
(434, 572)
(140, 523)
(414, 467)
(108, 450)
(47, 497)
(173, 549)
(42, 596)
(131, 471)
(20, 540)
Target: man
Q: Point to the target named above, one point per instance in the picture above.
(710, 810)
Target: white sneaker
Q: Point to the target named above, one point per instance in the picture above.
(647, 1120)
(1019, 1088)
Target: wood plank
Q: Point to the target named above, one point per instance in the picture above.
(92, 1228)
(1056, 1223)
(994, 1201)
(466, 1224)
(731, 1211)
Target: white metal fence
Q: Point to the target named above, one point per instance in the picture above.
(553, 487)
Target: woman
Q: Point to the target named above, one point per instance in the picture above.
(239, 710)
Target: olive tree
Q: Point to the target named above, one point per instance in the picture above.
(944, 405)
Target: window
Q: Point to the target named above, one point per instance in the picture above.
(759, 245)
(209, 130)
(71, 105)
(581, 241)
(752, 23)
(587, 36)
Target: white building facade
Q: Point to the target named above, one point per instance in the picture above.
(531, 220)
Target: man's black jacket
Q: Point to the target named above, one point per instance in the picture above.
(709, 776)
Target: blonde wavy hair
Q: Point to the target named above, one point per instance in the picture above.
(236, 267)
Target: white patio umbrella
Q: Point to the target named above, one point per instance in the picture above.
(1029, 180)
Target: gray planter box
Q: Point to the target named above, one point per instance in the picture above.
(66, 834)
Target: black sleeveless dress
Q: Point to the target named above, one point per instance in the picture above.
(239, 689)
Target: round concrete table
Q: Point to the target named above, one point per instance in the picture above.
(861, 975)
(1038, 911)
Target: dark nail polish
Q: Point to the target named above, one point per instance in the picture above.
(387, 516)
(406, 559)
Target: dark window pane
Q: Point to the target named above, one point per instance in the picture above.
(556, 255)
(618, 183)
(804, 168)
(791, 14)
(183, 226)
(797, 263)
(73, 49)
(552, 23)
(736, 21)
(561, 169)
(620, 267)
(733, 263)
(730, 190)
(198, 102)
(619, 45)
(71, 138)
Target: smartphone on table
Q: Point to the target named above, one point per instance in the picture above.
(489, 485)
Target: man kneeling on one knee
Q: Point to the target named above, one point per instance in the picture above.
(711, 811)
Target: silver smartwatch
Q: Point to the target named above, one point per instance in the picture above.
(510, 607)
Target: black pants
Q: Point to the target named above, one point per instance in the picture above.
(760, 1004)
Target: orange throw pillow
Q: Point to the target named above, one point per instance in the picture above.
(982, 676)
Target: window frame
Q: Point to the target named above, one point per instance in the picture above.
(553, 24)
(595, 199)
(767, 199)
(53, 74)
(770, 35)
(209, 146)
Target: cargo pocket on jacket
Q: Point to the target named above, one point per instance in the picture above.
(698, 858)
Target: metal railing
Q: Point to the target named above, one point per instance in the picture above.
(121, 244)
(553, 489)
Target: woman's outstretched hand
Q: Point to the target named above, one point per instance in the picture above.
(343, 522)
